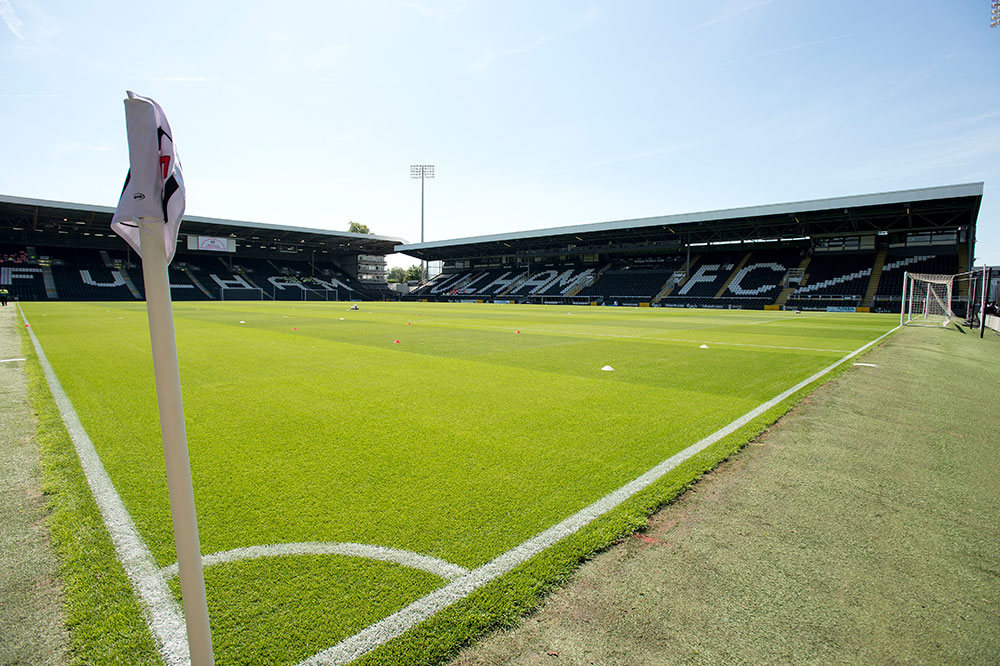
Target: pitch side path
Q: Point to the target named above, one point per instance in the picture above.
(31, 619)
(863, 528)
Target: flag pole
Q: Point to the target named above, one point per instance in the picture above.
(175, 450)
(140, 117)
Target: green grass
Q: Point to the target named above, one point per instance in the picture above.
(460, 442)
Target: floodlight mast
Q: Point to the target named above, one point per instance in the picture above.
(423, 172)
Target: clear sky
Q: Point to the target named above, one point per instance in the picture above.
(535, 114)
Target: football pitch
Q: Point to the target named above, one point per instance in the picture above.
(382, 485)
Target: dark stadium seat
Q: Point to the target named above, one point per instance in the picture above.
(833, 279)
(924, 260)
(22, 274)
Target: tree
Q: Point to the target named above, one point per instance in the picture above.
(397, 274)
(358, 228)
(414, 273)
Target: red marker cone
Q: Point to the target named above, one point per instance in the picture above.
(294, 329)
(517, 331)
(395, 342)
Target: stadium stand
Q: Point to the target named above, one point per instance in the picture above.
(921, 260)
(471, 284)
(717, 280)
(22, 273)
(746, 280)
(759, 281)
(631, 282)
(833, 279)
(101, 275)
(841, 252)
(708, 275)
(90, 275)
(552, 283)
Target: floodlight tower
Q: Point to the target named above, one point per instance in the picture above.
(423, 172)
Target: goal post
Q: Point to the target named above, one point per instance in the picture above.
(241, 293)
(927, 299)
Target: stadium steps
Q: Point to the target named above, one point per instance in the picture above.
(587, 283)
(736, 269)
(876, 276)
(516, 284)
(963, 267)
(466, 280)
(668, 286)
(49, 282)
(787, 291)
(123, 271)
(671, 288)
(197, 283)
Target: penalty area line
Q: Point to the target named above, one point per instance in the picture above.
(428, 606)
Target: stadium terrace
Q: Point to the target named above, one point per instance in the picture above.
(845, 254)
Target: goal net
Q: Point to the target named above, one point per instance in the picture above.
(926, 299)
(241, 294)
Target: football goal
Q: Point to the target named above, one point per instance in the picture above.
(926, 299)
(241, 294)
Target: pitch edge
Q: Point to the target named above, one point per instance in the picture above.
(426, 607)
(162, 612)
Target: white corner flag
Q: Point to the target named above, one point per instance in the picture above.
(148, 218)
(154, 185)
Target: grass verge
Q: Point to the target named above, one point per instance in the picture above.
(103, 616)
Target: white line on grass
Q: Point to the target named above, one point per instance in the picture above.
(408, 558)
(10, 360)
(162, 613)
(426, 607)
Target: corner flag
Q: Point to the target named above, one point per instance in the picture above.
(154, 185)
(148, 218)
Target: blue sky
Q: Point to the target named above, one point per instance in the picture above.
(535, 114)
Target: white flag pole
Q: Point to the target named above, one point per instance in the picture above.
(139, 119)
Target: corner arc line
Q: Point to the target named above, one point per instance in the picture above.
(407, 558)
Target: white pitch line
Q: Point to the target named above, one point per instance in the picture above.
(429, 605)
(10, 360)
(162, 613)
(433, 565)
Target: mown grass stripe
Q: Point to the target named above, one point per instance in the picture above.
(162, 613)
(396, 624)
(644, 338)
